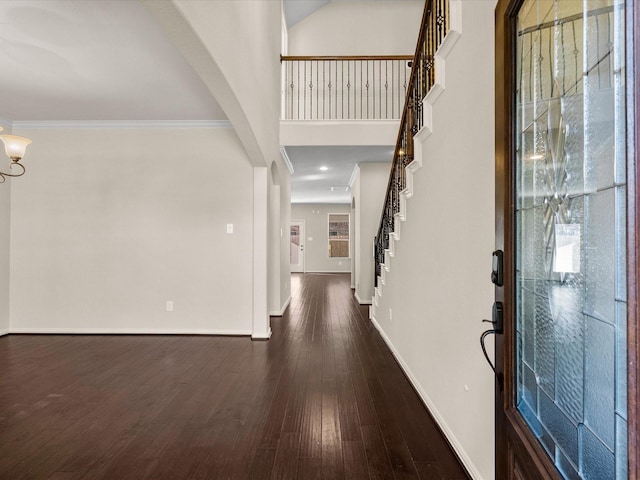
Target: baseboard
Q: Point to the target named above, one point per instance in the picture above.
(260, 337)
(4, 332)
(280, 312)
(127, 331)
(360, 301)
(442, 424)
(327, 271)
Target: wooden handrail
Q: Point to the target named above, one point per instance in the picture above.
(433, 28)
(414, 69)
(286, 58)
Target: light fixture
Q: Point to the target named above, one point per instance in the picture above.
(324, 168)
(14, 147)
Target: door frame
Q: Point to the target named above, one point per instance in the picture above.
(521, 445)
(302, 241)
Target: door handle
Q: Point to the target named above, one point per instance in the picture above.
(498, 324)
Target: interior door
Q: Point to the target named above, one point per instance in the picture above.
(296, 236)
(566, 361)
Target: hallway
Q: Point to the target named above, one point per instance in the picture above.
(323, 399)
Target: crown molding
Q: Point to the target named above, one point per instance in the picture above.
(285, 157)
(6, 123)
(114, 124)
(354, 174)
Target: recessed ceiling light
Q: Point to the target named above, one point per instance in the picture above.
(324, 168)
(339, 189)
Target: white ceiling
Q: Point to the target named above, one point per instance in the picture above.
(108, 60)
(310, 184)
(80, 60)
(296, 10)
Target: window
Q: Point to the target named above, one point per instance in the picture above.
(338, 235)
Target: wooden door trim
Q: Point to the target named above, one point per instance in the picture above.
(522, 447)
(508, 420)
(503, 131)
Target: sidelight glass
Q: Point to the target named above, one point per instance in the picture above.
(570, 233)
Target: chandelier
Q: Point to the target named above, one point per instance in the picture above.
(14, 146)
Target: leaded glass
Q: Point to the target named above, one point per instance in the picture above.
(570, 233)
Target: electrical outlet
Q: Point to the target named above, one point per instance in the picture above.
(169, 306)
(229, 227)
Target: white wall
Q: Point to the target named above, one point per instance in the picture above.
(372, 179)
(109, 224)
(235, 49)
(273, 258)
(285, 223)
(5, 216)
(244, 39)
(279, 282)
(359, 28)
(438, 290)
(316, 251)
(339, 132)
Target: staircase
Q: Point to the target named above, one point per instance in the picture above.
(441, 27)
(435, 238)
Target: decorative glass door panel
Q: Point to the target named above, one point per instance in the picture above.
(571, 299)
(296, 246)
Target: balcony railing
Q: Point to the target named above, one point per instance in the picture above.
(434, 27)
(344, 88)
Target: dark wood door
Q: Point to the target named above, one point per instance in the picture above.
(566, 219)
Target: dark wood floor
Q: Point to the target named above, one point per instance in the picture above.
(323, 399)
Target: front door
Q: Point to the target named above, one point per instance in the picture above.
(296, 242)
(565, 219)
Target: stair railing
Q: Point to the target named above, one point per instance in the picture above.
(434, 27)
(344, 87)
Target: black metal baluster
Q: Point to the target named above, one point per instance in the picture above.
(298, 89)
(329, 89)
(361, 91)
(380, 87)
(336, 92)
(341, 88)
(324, 89)
(349, 90)
(386, 89)
(291, 102)
(367, 85)
(311, 91)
